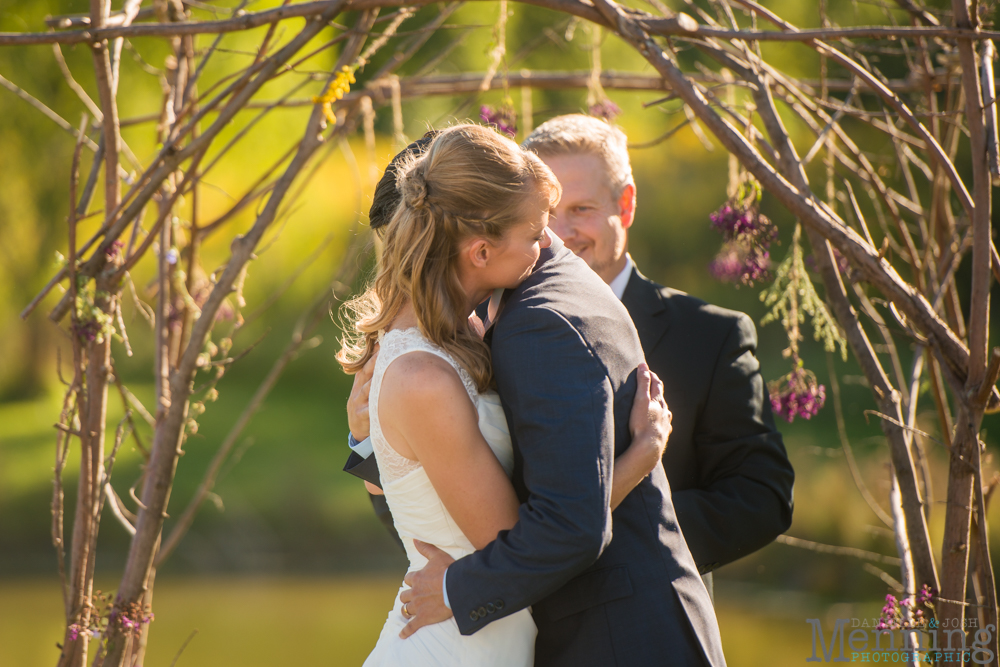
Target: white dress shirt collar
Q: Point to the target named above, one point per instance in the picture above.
(620, 282)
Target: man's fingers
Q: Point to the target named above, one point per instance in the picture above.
(407, 595)
(411, 627)
(408, 580)
(420, 615)
(427, 550)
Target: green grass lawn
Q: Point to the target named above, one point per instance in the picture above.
(331, 621)
(247, 621)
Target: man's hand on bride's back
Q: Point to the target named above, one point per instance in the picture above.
(357, 403)
(423, 601)
(649, 422)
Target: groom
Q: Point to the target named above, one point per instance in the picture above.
(564, 354)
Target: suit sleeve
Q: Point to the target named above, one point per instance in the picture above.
(744, 497)
(559, 402)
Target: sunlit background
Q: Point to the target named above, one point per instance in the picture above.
(286, 564)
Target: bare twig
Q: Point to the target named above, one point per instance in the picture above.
(884, 576)
(680, 24)
(848, 450)
(47, 112)
(836, 550)
(183, 646)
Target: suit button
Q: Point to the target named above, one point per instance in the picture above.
(491, 607)
(482, 612)
(473, 615)
(499, 604)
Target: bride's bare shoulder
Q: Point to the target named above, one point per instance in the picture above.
(420, 378)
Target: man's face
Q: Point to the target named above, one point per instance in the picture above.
(589, 218)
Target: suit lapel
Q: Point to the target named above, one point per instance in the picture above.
(650, 314)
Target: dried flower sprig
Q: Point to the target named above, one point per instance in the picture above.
(91, 323)
(797, 394)
(503, 118)
(130, 619)
(101, 609)
(340, 86)
(921, 611)
(605, 109)
(747, 235)
(736, 264)
(792, 296)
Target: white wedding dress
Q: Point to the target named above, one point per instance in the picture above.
(418, 513)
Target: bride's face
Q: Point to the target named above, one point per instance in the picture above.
(516, 254)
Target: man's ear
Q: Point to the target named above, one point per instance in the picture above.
(626, 206)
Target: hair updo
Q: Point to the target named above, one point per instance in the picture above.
(471, 182)
(413, 187)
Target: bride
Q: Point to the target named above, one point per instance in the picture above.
(472, 220)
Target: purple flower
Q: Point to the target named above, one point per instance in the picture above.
(113, 249)
(798, 394)
(74, 632)
(87, 330)
(503, 119)
(172, 256)
(747, 237)
(731, 222)
(736, 223)
(605, 109)
(727, 265)
(737, 263)
(756, 265)
(892, 615)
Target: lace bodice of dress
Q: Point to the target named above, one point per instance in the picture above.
(392, 345)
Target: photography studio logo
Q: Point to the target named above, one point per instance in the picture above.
(869, 640)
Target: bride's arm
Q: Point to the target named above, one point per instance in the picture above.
(434, 422)
(650, 427)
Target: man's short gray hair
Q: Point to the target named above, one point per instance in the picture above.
(577, 133)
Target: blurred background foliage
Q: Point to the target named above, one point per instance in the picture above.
(288, 560)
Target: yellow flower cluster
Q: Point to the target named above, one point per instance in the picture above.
(340, 86)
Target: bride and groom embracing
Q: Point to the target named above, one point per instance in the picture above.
(537, 518)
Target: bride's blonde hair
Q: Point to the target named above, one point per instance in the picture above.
(471, 182)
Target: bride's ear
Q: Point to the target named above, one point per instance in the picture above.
(478, 252)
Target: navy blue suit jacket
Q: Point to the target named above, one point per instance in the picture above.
(605, 590)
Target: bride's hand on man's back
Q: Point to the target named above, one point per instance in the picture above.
(650, 421)
(649, 424)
